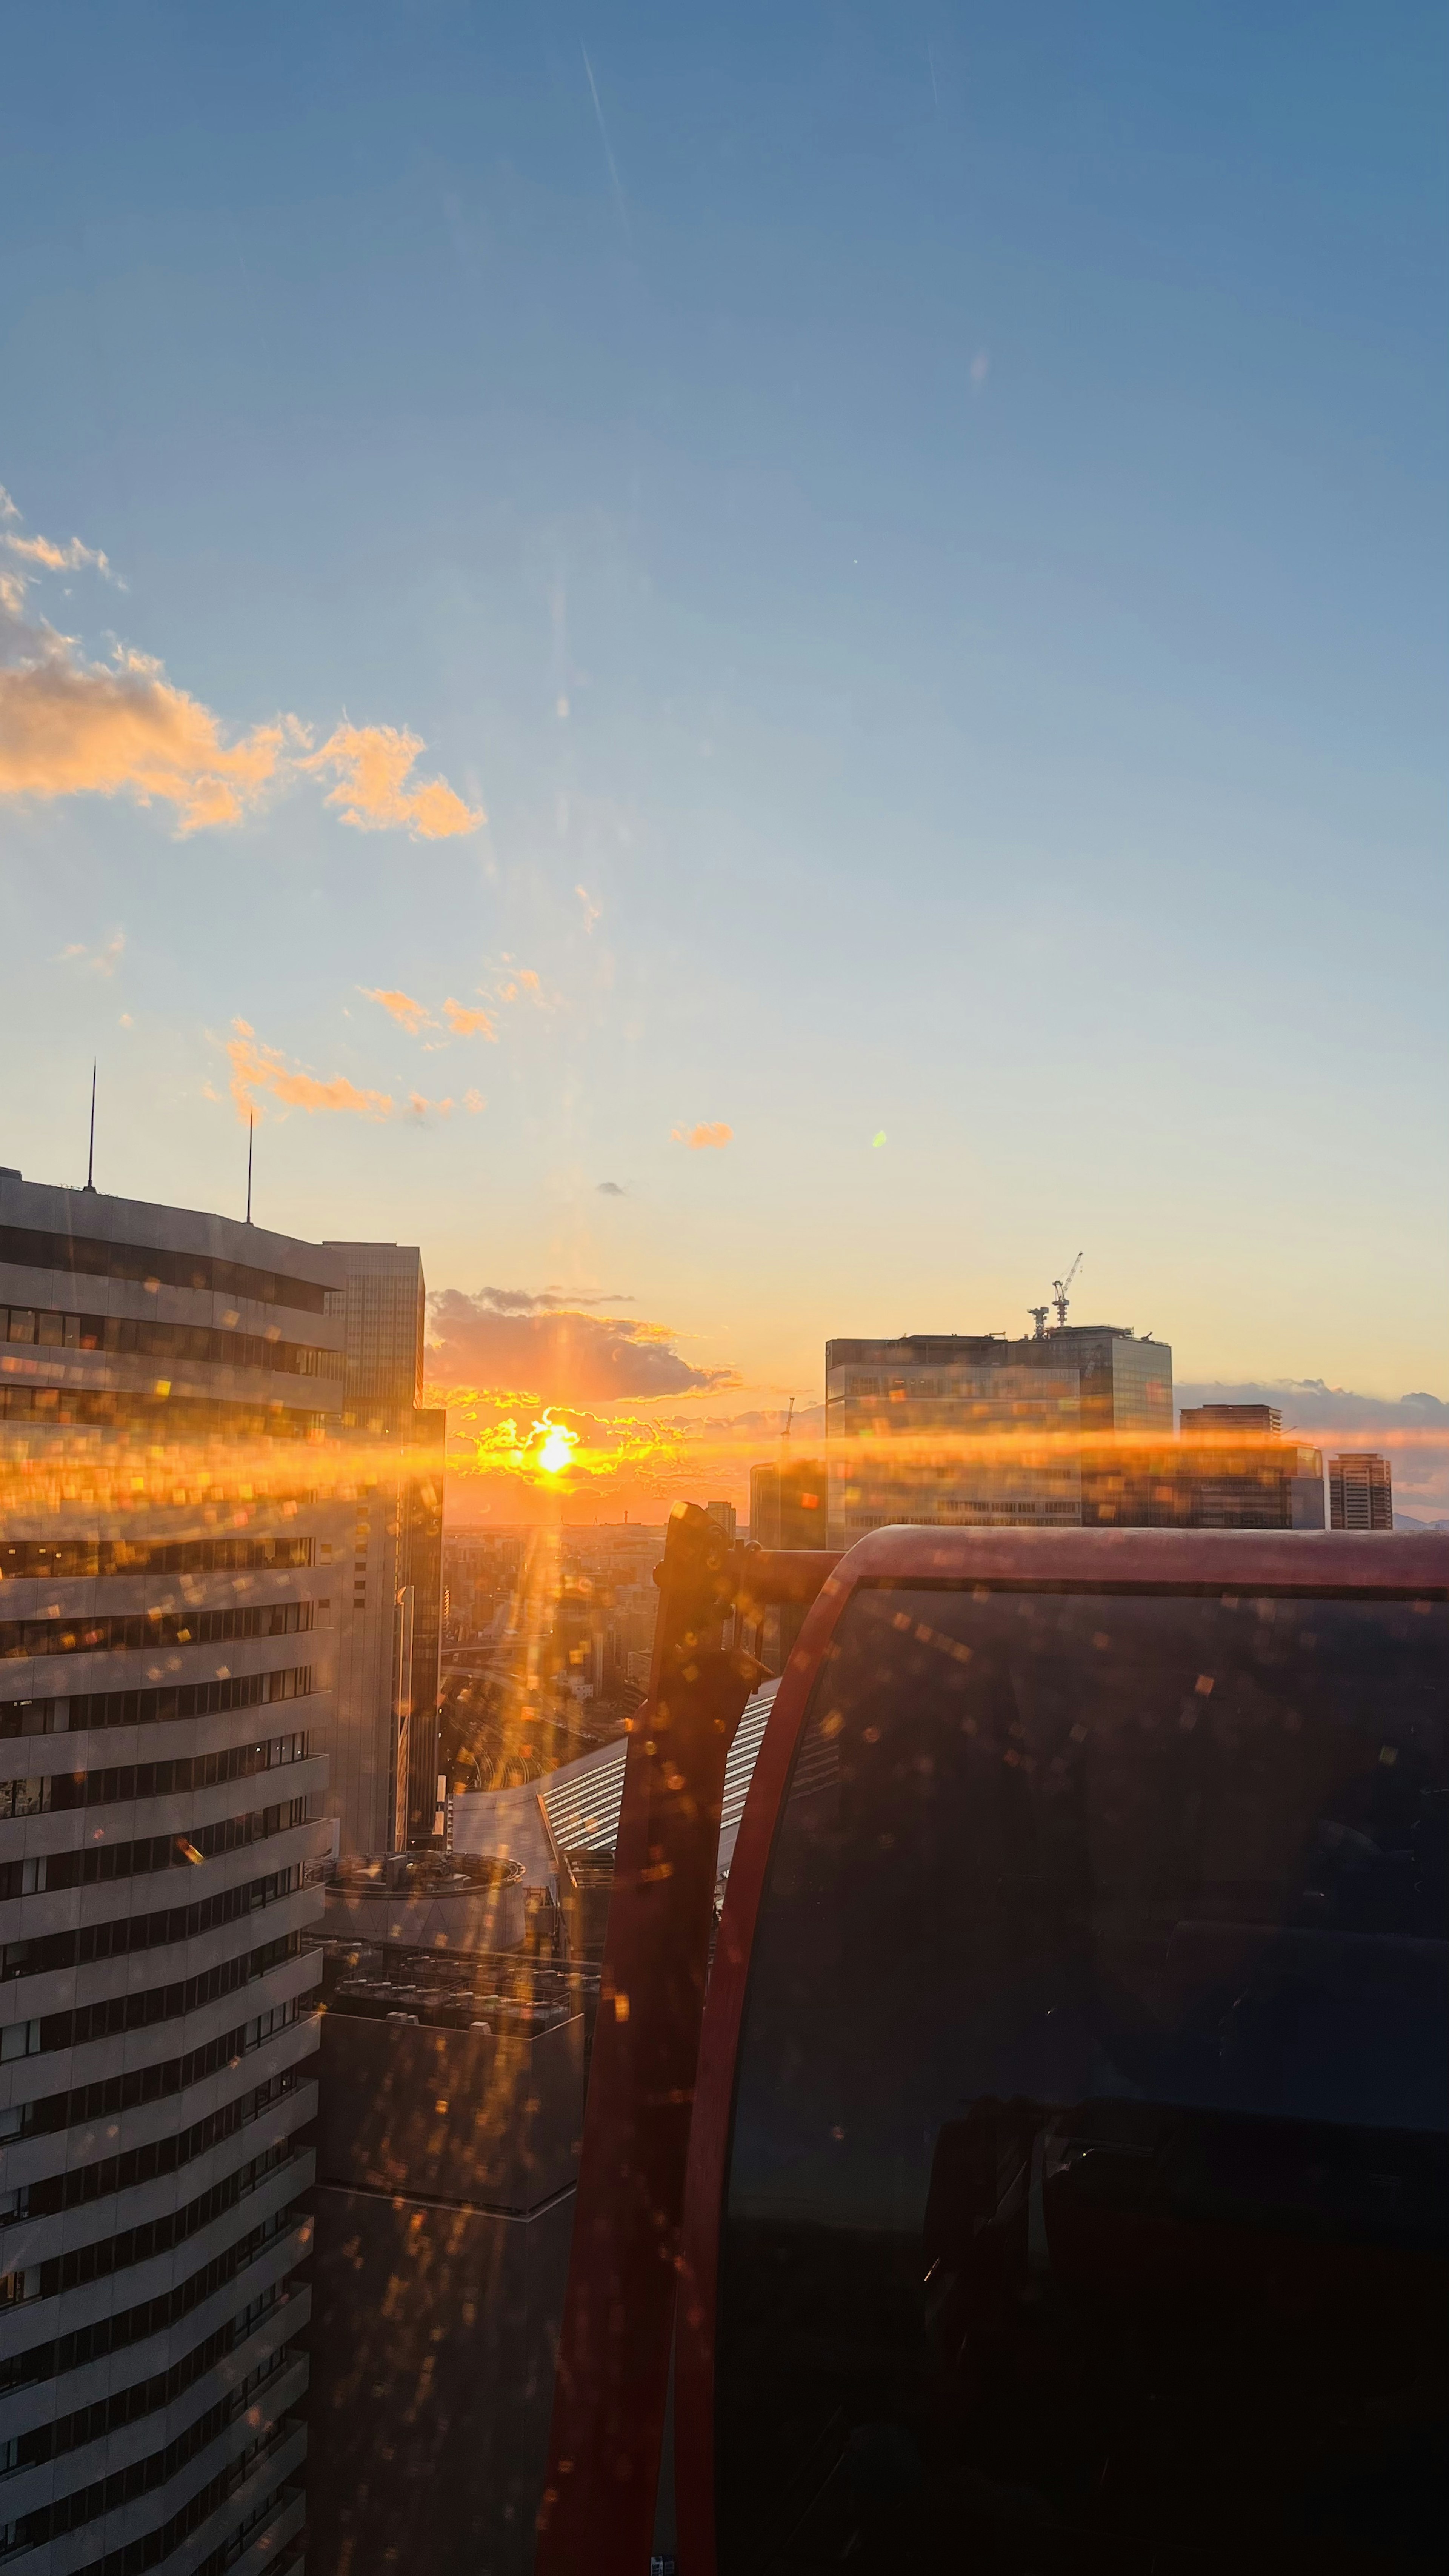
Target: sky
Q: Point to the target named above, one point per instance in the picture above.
(751, 672)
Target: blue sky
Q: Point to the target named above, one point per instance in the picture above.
(933, 518)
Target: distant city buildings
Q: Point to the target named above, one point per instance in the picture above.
(548, 1645)
(383, 1788)
(1360, 1491)
(481, 1570)
(170, 1573)
(724, 1517)
(1238, 1483)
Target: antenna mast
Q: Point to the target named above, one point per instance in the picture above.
(251, 1131)
(91, 1158)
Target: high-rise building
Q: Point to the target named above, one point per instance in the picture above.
(384, 1749)
(971, 1430)
(789, 1503)
(168, 1597)
(1360, 1491)
(724, 1517)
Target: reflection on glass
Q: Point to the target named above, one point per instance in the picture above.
(1087, 2188)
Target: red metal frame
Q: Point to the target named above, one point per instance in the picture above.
(1130, 1560)
(610, 2393)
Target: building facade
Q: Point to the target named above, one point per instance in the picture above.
(789, 1503)
(1229, 1483)
(1360, 1491)
(1232, 1421)
(168, 1640)
(383, 1788)
(960, 1430)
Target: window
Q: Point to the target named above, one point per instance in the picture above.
(1098, 1988)
(721, 790)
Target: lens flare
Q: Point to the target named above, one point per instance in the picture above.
(555, 1451)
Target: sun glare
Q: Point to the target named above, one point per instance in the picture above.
(556, 1451)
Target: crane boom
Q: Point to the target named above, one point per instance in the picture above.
(1059, 1290)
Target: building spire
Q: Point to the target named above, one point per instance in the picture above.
(91, 1158)
(251, 1131)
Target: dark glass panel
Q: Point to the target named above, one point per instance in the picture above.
(1087, 2200)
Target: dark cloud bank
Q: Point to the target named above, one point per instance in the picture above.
(554, 1348)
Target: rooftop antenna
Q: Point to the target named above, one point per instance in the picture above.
(251, 1131)
(789, 1418)
(91, 1159)
(1059, 1292)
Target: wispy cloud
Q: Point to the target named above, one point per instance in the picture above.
(96, 961)
(466, 1023)
(465, 1019)
(592, 910)
(258, 1071)
(409, 1014)
(700, 1139)
(71, 726)
(608, 149)
(48, 557)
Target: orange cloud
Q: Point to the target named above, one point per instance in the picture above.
(468, 1024)
(698, 1138)
(409, 1014)
(372, 793)
(72, 557)
(70, 727)
(474, 1103)
(257, 1069)
(74, 728)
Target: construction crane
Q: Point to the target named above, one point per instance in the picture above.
(1059, 1291)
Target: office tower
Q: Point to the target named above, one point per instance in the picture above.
(167, 1656)
(973, 1431)
(1360, 1491)
(384, 1749)
(724, 1517)
(1250, 1421)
